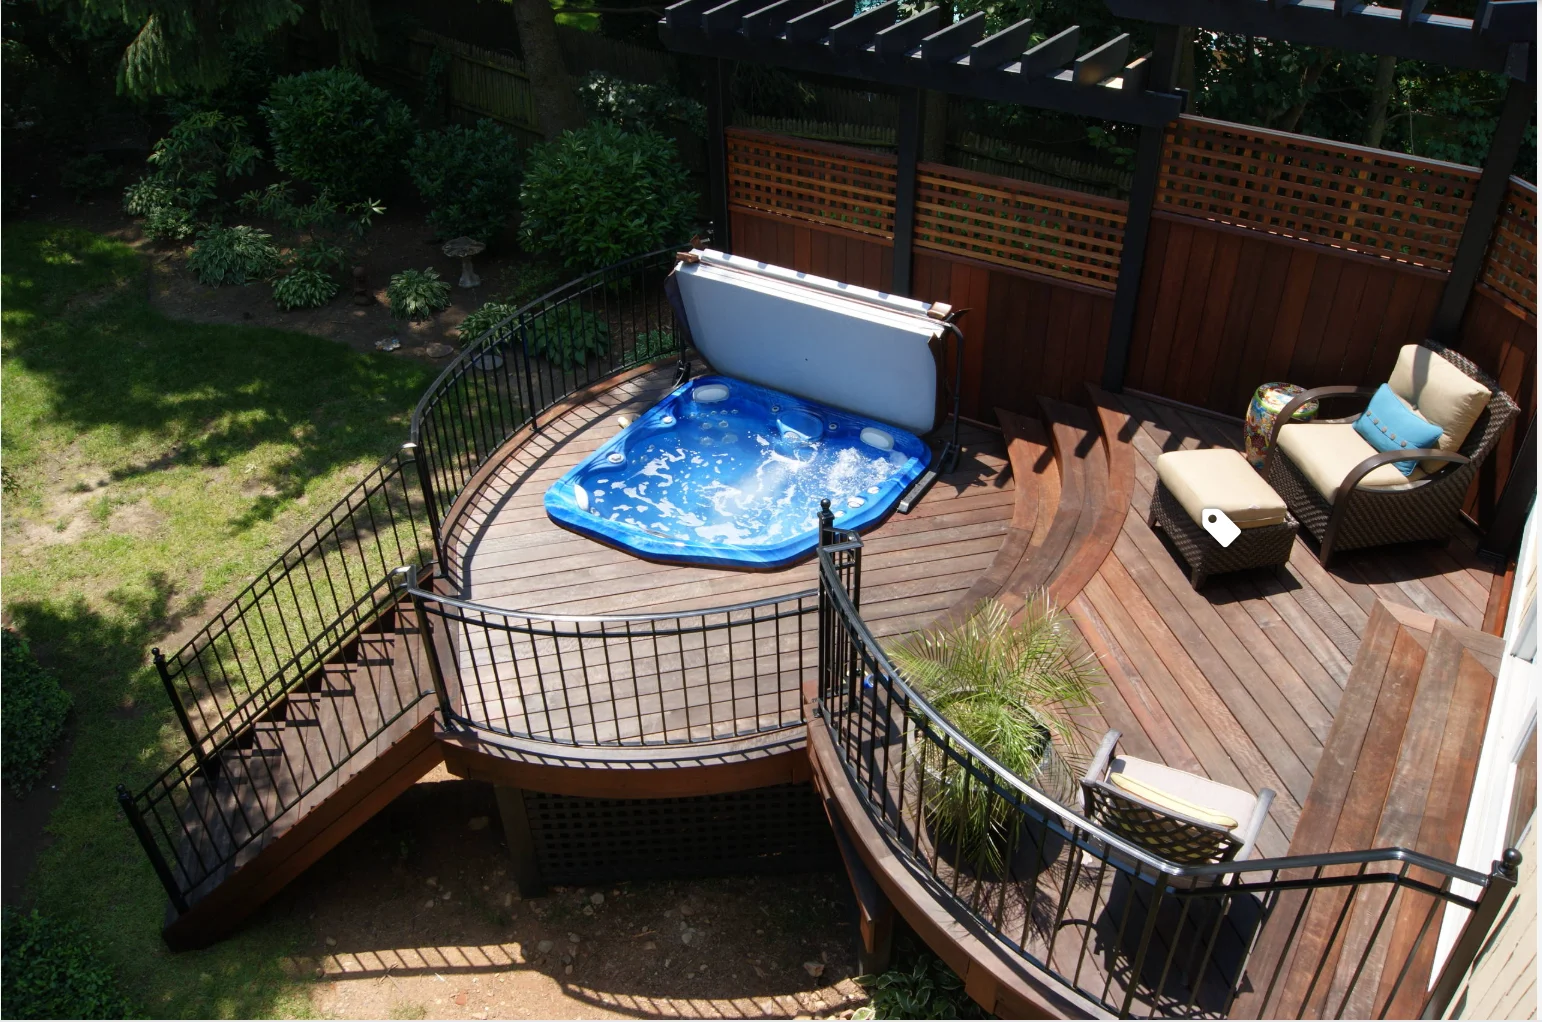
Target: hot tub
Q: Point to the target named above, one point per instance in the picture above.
(728, 473)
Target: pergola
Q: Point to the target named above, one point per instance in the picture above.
(922, 52)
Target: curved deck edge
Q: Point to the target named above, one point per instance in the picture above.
(995, 977)
(668, 771)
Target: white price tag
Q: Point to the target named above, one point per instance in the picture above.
(1218, 525)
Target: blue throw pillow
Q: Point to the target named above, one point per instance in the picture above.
(1390, 425)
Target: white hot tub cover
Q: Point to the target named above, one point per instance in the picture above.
(849, 347)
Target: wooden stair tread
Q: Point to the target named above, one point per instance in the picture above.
(1036, 481)
(1118, 486)
(1072, 433)
(1397, 770)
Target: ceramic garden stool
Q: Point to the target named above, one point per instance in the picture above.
(1190, 481)
(1268, 402)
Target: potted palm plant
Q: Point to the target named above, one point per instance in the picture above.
(1011, 685)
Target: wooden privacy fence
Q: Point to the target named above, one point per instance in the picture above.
(1510, 267)
(1364, 200)
(826, 185)
(477, 81)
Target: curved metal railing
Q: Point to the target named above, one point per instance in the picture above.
(531, 363)
(640, 680)
(1118, 928)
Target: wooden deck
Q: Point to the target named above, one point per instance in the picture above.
(1239, 682)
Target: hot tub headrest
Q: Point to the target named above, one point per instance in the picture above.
(845, 346)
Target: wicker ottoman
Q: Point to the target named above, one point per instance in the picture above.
(1190, 481)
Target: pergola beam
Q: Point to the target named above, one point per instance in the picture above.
(1409, 32)
(920, 53)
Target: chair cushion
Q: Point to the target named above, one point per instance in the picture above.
(1186, 794)
(1326, 452)
(1442, 393)
(1220, 478)
(1389, 424)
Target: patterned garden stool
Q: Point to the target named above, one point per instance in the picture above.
(1268, 402)
(1190, 481)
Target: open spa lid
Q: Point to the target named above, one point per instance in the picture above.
(845, 346)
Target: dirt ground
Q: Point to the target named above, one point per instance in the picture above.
(415, 916)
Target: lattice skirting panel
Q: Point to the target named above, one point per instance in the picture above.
(779, 829)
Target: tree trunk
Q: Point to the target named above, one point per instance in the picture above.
(1308, 83)
(556, 100)
(1381, 98)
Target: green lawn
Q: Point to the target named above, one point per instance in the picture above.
(150, 468)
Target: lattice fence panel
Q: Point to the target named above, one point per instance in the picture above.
(1066, 234)
(1511, 265)
(1364, 200)
(826, 184)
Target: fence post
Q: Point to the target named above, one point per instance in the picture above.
(1483, 214)
(425, 630)
(152, 850)
(908, 138)
(1501, 881)
(1137, 223)
(193, 741)
(718, 72)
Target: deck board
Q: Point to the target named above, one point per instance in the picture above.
(1240, 681)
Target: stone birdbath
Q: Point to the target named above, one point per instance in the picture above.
(463, 249)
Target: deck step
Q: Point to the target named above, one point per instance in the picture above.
(1397, 770)
(1036, 482)
(1104, 519)
(317, 764)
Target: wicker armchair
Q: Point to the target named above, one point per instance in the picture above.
(1358, 516)
(1164, 832)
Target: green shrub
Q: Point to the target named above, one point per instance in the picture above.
(202, 153)
(85, 176)
(920, 985)
(600, 194)
(417, 294)
(233, 255)
(484, 319)
(634, 106)
(334, 130)
(53, 970)
(162, 216)
(32, 714)
(568, 335)
(303, 288)
(469, 177)
(324, 225)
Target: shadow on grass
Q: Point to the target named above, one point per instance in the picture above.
(77, 318)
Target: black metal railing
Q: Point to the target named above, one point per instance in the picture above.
(530, 363)
(199, 818)
(296, 614)
(648, 679)
(1120, 930)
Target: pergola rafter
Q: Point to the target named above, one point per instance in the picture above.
(1499, 39)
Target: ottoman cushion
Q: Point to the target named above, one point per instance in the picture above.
(1222, 479)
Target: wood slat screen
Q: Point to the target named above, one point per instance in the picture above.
(1059, 233)
(1365, 200)
(833, 185)
(1511, 265)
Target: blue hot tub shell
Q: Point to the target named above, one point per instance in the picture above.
(724, 472)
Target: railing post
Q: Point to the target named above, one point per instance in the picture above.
(1501, 881)
(404, 586)
(409, 450)
(205, 766)
(152, 850)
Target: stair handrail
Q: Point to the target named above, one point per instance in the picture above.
(852, 659)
